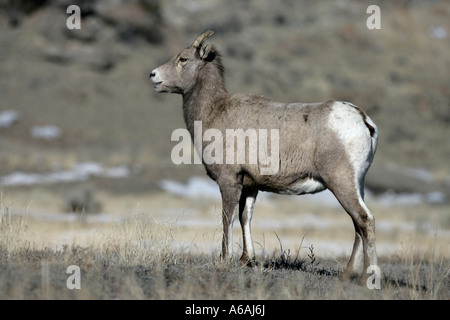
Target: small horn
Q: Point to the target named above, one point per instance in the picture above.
(198, 42)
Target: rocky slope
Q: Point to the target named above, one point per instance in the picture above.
(92, 83)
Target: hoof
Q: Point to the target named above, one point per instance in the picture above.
(245, 261)
(362, 280)
(348, 275)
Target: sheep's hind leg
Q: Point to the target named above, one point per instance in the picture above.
(355, 265)
(364, 252)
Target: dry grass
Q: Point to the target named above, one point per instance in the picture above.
(143, 257)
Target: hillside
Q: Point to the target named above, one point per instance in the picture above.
(92, 84)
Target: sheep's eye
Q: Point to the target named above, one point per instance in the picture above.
(182, 60)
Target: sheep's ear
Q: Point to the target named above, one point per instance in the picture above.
(204, 51)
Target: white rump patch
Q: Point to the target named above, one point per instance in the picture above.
(347, 122)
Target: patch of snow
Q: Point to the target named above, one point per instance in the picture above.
(416, 173)
(49, 132)
(325, 198)
(437, 32)
(435, 197)
(80, 172)
(388, 199)
(202, 187)
(195, 187)
(8, 118)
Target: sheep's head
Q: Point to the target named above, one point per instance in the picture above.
(179, 74)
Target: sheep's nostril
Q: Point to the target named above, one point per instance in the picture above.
(152, 74)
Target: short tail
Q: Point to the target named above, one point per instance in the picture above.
(369, 124)
(373, 131)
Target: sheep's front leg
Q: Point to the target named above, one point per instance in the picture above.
(246, 205)
(230, 204)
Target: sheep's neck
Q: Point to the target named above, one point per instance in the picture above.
(199, 102)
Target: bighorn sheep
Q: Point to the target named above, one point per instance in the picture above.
(321, 145)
